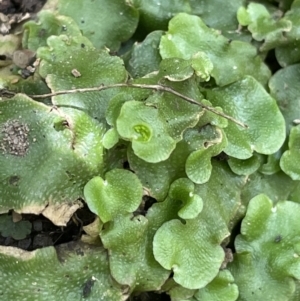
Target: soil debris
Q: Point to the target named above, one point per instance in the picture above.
(13, 12)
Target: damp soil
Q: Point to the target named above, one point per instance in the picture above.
(44, 233)
(20, 6)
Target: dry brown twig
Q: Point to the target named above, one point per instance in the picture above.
(139, 86)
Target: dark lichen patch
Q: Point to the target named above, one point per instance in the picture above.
(278, 238)
(14, 180)
(14, 138)
(87, 288)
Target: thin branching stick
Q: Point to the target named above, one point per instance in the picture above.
(140, 86)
